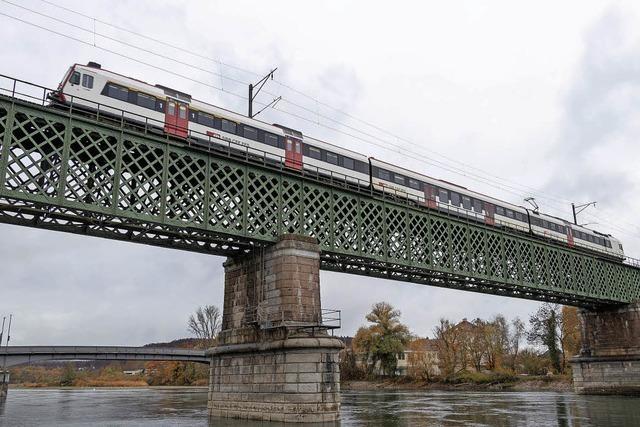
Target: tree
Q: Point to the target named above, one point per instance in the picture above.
(475, 342)
(546, 329)
(205, 323)
(384, 340)
(422, 363)
(571, 334)
(449, 344)
(516, 334)
(496, 335)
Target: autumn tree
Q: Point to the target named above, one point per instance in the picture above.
(205, 323)
(384, 340)
(571, 333)
(474, 340)
(422, 363)
(546, 330)
(449, 342)
(496, 338)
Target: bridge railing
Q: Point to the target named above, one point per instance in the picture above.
(45, 96)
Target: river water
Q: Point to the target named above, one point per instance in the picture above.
(187, 407)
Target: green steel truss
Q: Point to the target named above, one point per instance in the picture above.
(69, 173)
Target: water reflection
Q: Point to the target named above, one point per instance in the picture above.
(188, 407)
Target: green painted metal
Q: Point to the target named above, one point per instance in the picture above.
(69, 173)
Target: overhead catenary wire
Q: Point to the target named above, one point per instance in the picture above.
(182, 49)
(517, 189)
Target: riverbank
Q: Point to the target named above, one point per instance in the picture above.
(558, 384)
(122, 387)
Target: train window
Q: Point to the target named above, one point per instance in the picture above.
(607, 243)
(414, 184)
(362, 166)
(87, 81)
(75, 78)
(182, 111)
(519, 216)
(332, 158)
(477, 205)
(206, 120)
(398, 179)
(146, 101)
(561, 229)
(250, 133)
(171, 108)
(117, 92)
(500, 210)
(455, 198)
(466, 202)
(443, 195)
(271, 139)
(228, 126)
(348, 163)
(510, 214)
(298, 147)
(315, 153)
(384, 174)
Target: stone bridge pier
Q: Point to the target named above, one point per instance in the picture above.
(609, 361)
(274, 360)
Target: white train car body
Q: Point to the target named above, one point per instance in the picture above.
(453, 199)
(176, 113)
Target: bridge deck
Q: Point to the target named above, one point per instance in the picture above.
(17, 355)
(61, 170)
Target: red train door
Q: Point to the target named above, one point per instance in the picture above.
(490, 213)
(176, 118)
(570, 241)
(430, 196)
(293, 153)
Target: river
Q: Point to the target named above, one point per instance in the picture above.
(187, 407)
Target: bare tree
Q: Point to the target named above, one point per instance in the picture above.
(515, 337)
(205, 323)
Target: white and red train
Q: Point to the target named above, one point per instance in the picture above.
(87, 86)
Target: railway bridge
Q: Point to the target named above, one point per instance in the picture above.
(104, 176)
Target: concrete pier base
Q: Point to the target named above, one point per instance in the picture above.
(291, 380)
(609, 361)
(274, 360)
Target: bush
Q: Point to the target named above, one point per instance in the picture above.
(499, 376)
(349, 369)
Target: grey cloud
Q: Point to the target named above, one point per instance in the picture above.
(597, 136)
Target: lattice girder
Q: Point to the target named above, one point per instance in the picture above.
(53, 161)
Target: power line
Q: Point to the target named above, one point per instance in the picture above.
(518, 190)
(501, 181)
(285, 100)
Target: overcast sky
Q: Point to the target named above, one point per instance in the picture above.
(513, 99)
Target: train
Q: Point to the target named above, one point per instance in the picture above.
(180, 115)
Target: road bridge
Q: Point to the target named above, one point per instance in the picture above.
(17, 355)
(65, 170)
